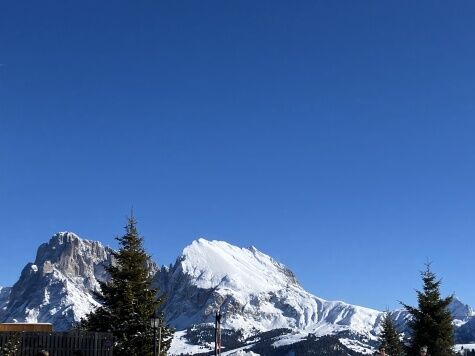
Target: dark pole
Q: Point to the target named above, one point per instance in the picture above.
(154, 340)
(217, 335)
(159, 340)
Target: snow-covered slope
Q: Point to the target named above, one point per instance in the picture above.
(254, 293)
(257, 294)
(461, 312)
(260, 299)
(57, 287)
(217, 263)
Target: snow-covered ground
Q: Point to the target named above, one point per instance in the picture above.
(460, 347)
(181, 346)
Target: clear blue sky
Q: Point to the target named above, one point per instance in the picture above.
(336, 136)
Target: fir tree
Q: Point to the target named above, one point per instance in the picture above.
(390, 338)
(128, 299)
(431, 322)
(13, 346)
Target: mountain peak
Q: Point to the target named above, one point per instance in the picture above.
(58, 286)
(460, 311)
(66, 235)
(215, 263)
(67, 250)
(254, 293)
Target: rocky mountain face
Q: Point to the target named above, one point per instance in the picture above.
(461, 312)
(254, 293)
(58, 287)
(262, 304)
(4, 295)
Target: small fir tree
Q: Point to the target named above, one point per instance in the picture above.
(431, 322)
(13, 345)
(128, 300)
(390, 338)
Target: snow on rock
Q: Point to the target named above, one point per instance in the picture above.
(4, 295)
(219, 264)
(460, 312)
(254, 293)
(57, 288)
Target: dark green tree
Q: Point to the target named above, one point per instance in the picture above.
(390, 337)
(128, 299)
(431, 322)
(13, 346)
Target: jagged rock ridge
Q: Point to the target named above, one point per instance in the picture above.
(57, 288)
(263, 304)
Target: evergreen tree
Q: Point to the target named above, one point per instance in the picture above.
(13, 346)
(390, 338)
(431, 322)
(128, 299)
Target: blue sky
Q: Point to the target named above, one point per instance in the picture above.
(336, 136)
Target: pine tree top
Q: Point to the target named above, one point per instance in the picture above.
(128, 298)
(390, 338)
(431, 321)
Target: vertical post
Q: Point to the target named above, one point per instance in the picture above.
(217, 334)
(95, 344)
(159, 340)
(154, 341)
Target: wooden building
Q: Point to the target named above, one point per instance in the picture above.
(27, 327)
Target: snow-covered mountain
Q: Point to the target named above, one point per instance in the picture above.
(461, 312)
(262, 304)
(57, 288)
(255, 294)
